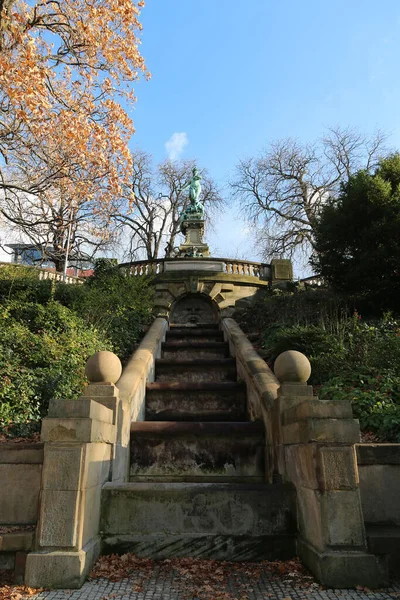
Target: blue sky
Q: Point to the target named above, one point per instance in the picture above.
(235, 75)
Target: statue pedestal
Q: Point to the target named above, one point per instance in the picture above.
(193, 246)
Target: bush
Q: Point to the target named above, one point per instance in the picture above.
(375, 400)
(22, 283)
(118, 305)
(340, 346)
(48, 331)
(321, 347)
(43, 351)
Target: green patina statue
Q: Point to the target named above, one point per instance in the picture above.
(196, 208)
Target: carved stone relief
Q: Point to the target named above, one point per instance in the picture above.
(193, 309)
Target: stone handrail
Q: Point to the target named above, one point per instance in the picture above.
(139, 369)
(232, 266)
(261, 385)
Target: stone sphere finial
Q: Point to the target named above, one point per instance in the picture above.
(103, 367)
(292, 367)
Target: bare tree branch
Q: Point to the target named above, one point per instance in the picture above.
(151, 209)
(282, 190)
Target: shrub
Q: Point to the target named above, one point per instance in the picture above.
(118, 305)
(375, 400)
(340, 345)
(22, 283)
(48, 331)
(43, 351)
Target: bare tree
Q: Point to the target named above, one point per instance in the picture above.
(283, 189)
(152, 212)
(57, 225)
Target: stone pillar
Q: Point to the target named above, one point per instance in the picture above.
(282, 270)
(79, 445)
(317, 454)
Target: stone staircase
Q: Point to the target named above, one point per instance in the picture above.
(197, 465)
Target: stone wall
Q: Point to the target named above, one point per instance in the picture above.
(20, 475)
(379, 473)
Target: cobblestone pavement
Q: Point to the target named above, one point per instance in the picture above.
(162, 587)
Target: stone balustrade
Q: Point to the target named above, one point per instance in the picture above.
(43, 273)
(55, 276)
(231, 266)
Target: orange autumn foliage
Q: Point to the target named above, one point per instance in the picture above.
(65, 68)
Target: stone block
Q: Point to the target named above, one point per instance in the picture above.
(295, 389)
(322, 430)
(380, 493)
(378, 454)
(344, 569)
(288, 403)
(63, 467)
(100, 390)
(301, 465)
(7, 561)
(16, 541)
(337, 468)
(26, 454)
(80, 408)
(120, 463)
(58, 525)
(90, 513)
(310, 525)
(191, 509)
(282, 269)
(19, 567)
(68, 467)
(97, 464)
(194, 265)
(317, 409)
(77, 430)
(342, 519)
(19, 493)
(61, 569)
(112, 403)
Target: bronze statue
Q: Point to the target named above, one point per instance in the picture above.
(196, 207)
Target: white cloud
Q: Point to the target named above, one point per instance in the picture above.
(175, 145)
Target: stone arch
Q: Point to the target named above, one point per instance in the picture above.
(194, 309)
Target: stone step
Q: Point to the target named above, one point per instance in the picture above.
(196, 326)
(194, 335)
(176, 401)
(216, 369)
(184, 349)
(188, 451)
(219, 521)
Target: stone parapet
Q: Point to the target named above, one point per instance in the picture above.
(261, 386)
(379, 472)
(20, 472)
(316, 453)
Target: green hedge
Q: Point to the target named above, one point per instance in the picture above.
(43, 351)
(49, 330)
